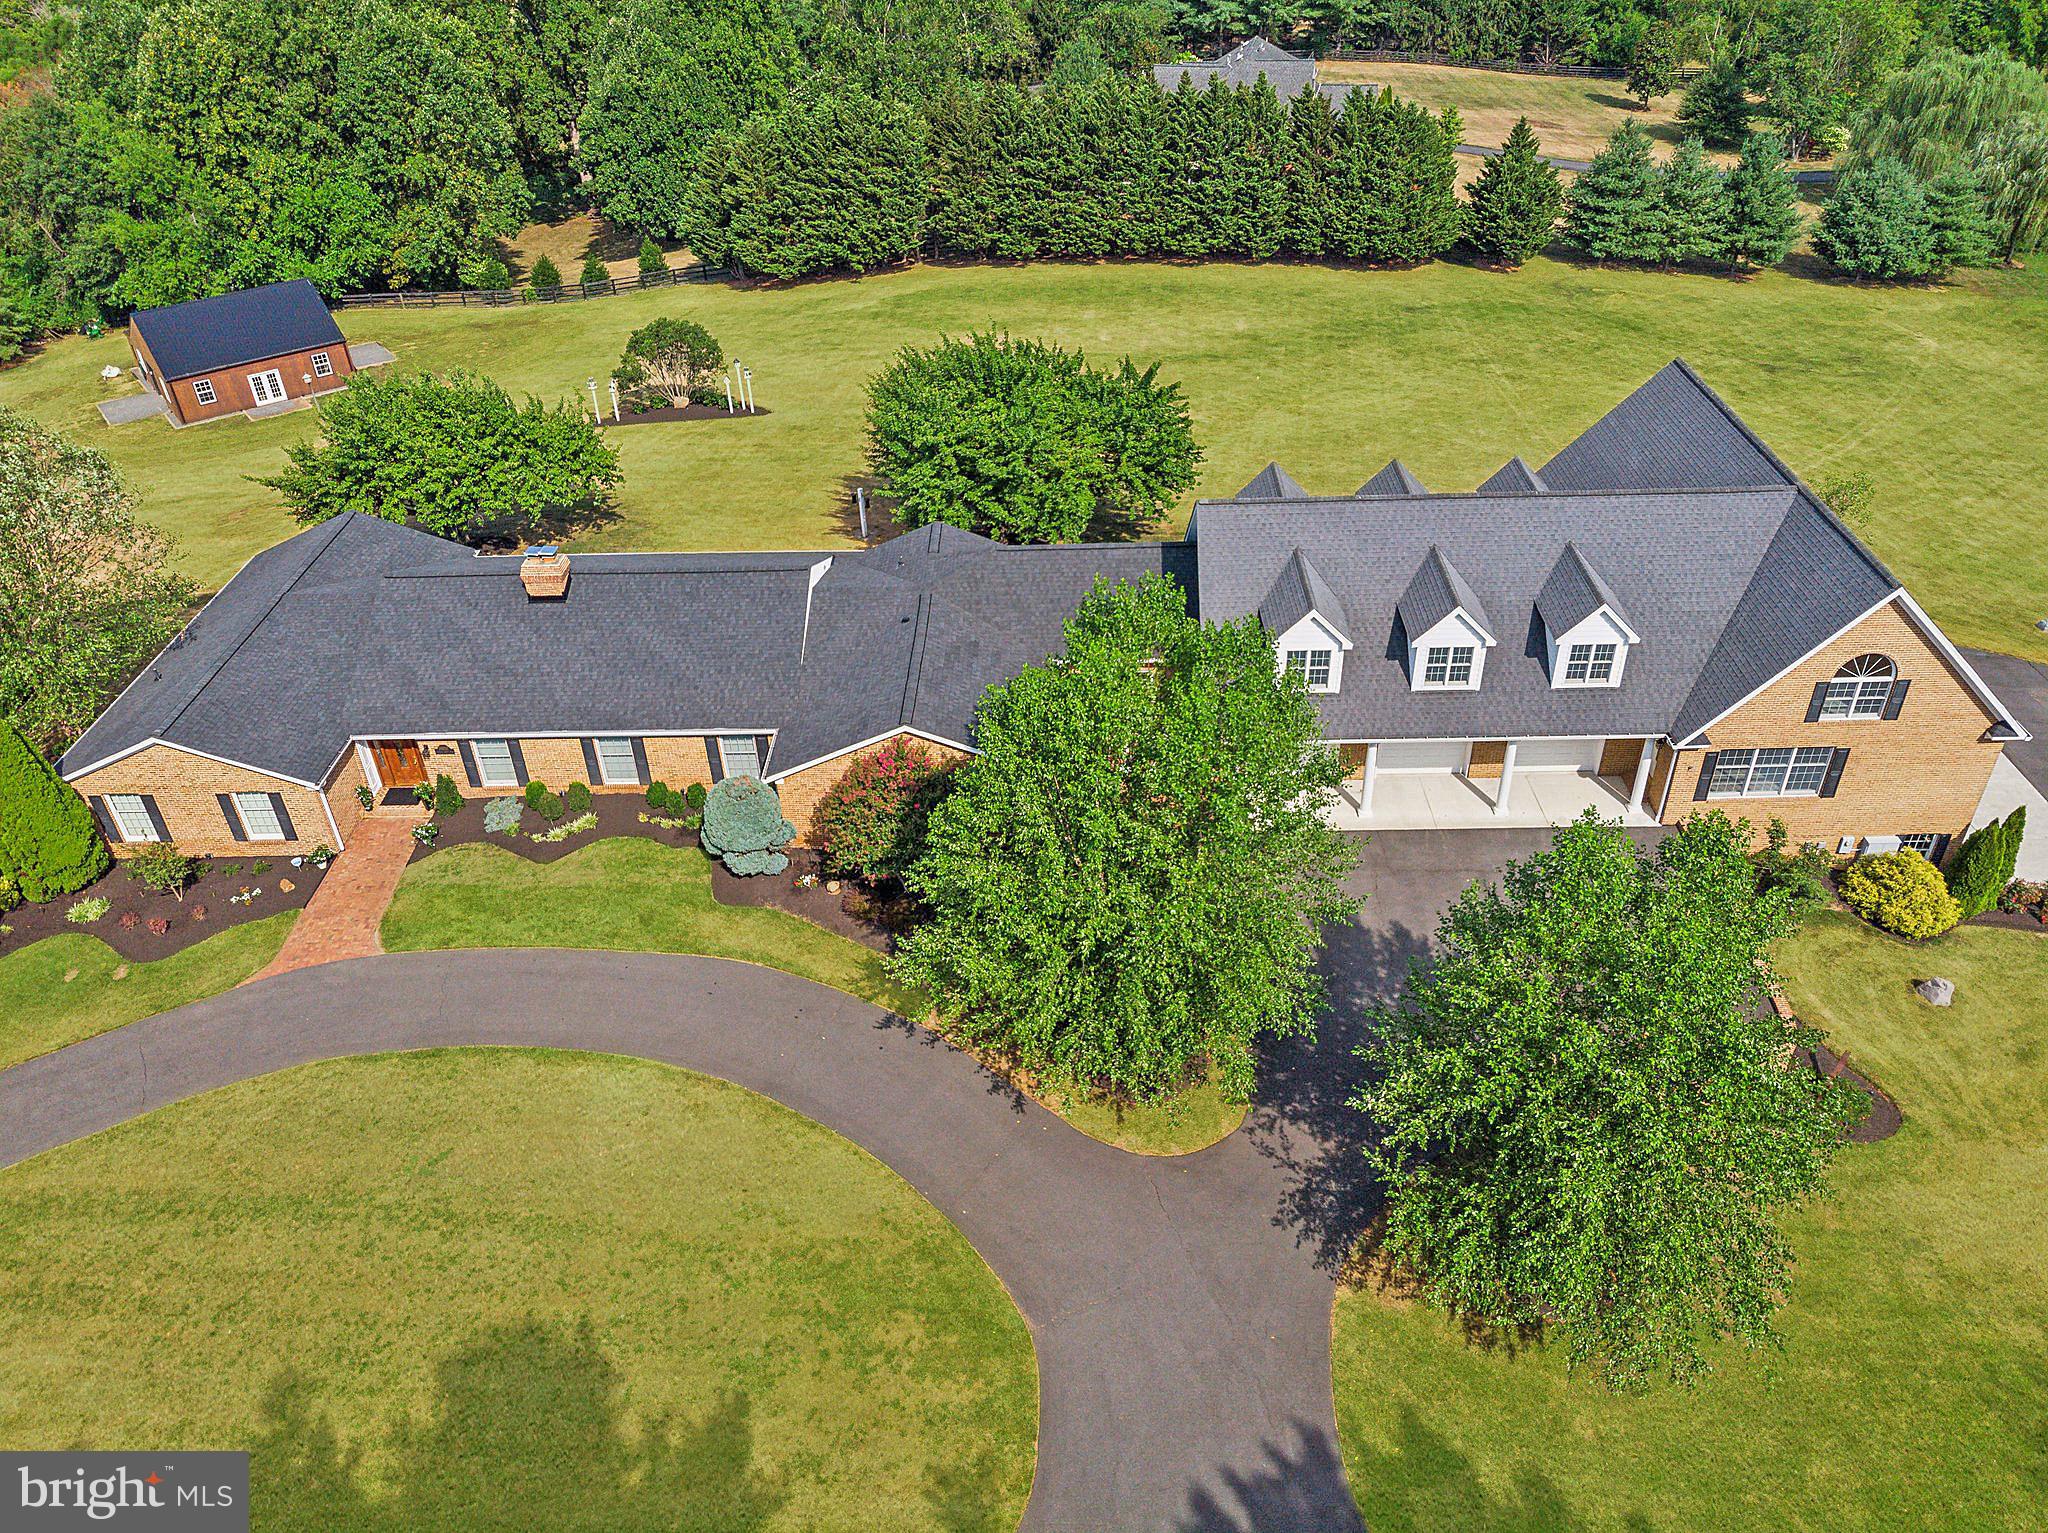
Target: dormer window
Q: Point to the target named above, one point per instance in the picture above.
(1312, 666)
(1448, 665)
(1586, 638)
(1592, 664)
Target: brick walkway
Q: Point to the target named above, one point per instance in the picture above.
(342, 918)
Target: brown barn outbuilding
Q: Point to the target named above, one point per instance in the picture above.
(239, 351)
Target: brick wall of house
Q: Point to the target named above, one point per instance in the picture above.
(677, 760)
(801, 791)
(341, 790)
(1618, 757)
(1921, 772)
(184, 786)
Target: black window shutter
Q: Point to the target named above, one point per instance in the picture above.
(1940, 850)
(716, 758)
(590, 772)
(1820, 696)
(156, 820)
(1833, 780)
(284, 821)
(518, 761)
(639, 760)
(469, 764)
(1897, 700)
(761, 754)
(227, 812)
(1699, 789)
(99, 812)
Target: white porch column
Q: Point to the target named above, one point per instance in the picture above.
(1507, 779)
(1372, 776)
(1642, 782)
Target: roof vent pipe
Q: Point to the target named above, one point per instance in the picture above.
(544, 571)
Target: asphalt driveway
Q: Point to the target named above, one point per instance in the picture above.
(2022, 685)
(1180, 1308)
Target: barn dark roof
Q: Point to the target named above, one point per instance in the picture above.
(207, 334)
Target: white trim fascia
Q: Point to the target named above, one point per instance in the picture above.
(861, 745)
(1954, 657)
(332, 823)
(625, 731)
(1687, 743)
(367, 760)
(1321, 624)
(1474, 630)
(143, 745)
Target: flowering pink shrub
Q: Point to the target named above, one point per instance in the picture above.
(158, 926)
(872, 821)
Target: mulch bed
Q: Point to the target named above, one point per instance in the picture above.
(685, 413)
(1883, 1117)
(618, 814)
(203, 912)
(2016, 919)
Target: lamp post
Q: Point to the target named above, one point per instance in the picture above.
(748, 374)
(615, 399)
(596, 410)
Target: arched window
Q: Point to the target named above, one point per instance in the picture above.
(1860, 689)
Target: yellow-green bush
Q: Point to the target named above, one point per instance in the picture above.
(1902, 892)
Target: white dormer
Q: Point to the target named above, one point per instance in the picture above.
(1586, 639)
(1307, 621)
(1314, 649)
(1448, 635)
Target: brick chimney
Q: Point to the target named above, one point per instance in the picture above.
(544, 571)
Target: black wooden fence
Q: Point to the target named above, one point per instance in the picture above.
(1499, 66)
(506, 297)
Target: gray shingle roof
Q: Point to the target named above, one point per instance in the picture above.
(1289, 73)
(209, 333)
(1394, 479)
(1434, 592)
(1672, 433)
(1514, 477)
(1573, 592)
(1298, 590)
(1272, 483)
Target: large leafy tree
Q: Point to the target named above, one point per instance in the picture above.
(1932, 116)
(1025, 442)
(2012, 163)
(454, 456)
(1587, 1111)
(85, 595)
(1515, 202)
(1154, 903)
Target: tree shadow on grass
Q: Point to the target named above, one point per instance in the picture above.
(1421, 1480)
(527, 1430)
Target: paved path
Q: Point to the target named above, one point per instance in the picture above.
(1180, 1308)
(341, 919)
(2022, 685)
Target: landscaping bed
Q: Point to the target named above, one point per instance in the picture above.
(849, 909)
(682, 413)
(211, 905)
(618, 814)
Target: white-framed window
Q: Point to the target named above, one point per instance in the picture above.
(1860, 689)
(615, 762)
(1591, 664)
(1922, 842)
(266, 388)
(131, 816)
(1778, 772)
(323, 365)
(740, 755)
(494, 765)
(259, 817)
(1447, 665)
(202, 390)
(1312, 666)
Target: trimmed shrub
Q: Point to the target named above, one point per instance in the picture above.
(1876, 224)
(651, 258)
(694, 796)
(501, 817)
(550, 807)
(872, 821)
(658, 796)
(49, 844)
(744, 827)
(576, 797)
(1902, 892)
(1985, 863)
(1802, 875)
(163, 869)
(535, 792)
(447, 797)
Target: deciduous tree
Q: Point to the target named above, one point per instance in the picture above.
(671, 359)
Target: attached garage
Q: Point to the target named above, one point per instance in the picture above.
(1424, 755)
(1573, 755)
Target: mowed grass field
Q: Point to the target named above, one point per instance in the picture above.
(1913, 1384)
(1934, 393)
(677, 1305)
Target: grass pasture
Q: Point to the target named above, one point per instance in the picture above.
(1914, 1378)
(1929, 391)
(676, 1306)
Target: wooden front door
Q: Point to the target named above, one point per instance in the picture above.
(399, 763)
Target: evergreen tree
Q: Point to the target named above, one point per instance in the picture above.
(1876, 224)
(545, 276)
(1394, 183)
(1960, 224)
(1716, 106)
(650, 259)
(1984, 864)
(1516, 201)
(594, 269)
(1311, 146)
(1763, 205)
(1692, 207)
(1613, 207)
(48, 842)
(963, 165)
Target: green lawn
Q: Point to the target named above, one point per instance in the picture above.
(65, 988)
(1914, 1382)
(672, 1305)
(1930, 392)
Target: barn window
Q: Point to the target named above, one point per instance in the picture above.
(203, 391)
(323, 365)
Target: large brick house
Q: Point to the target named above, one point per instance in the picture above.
(1661, 616)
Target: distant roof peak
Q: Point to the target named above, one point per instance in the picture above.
(1514, 477)
(1394, 479)
(1272, 483)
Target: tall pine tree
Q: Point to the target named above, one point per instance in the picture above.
(1763, 205)
(1614, 206)
(1956, 215)
(1692, 207)
(1516, 201)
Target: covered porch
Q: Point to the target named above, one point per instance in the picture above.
(1480, 783)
